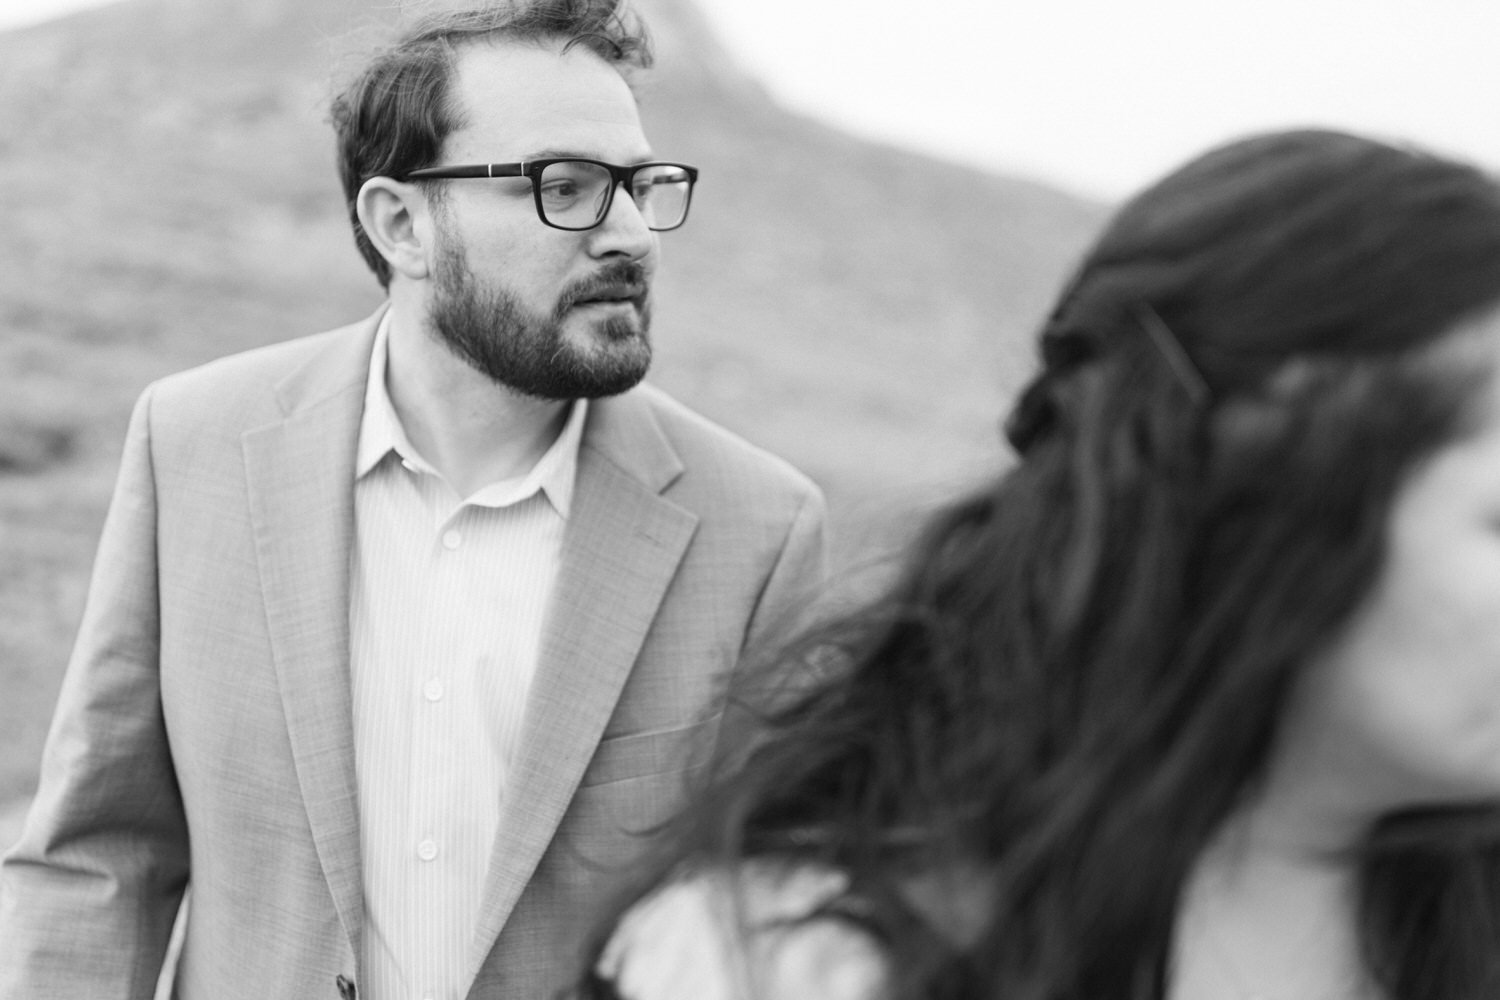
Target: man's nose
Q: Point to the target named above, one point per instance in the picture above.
(623, 230)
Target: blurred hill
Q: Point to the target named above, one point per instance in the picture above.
(167, 181)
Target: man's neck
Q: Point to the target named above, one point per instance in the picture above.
(473, 430)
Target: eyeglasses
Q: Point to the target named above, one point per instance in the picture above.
(575, 194)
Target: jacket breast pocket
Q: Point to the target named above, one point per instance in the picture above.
(659, 751)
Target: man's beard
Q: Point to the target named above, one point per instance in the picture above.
(490, 329)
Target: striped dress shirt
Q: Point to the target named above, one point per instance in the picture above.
(447, 597)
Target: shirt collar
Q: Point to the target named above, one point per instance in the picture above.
(381, 433)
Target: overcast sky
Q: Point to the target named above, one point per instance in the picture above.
(1101, 96)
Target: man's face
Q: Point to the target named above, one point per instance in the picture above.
(547, 312)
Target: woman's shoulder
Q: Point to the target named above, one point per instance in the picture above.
(755, 932)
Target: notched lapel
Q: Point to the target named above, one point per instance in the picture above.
(623, 545)
(301, 474)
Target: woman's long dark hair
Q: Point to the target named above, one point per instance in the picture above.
(1079, 675)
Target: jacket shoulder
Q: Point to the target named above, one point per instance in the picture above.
(709, 448)
(248, 383)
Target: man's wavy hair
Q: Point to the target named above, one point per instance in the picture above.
(1080, 674)
(394, 116)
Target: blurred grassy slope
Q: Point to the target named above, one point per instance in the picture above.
(167, 184)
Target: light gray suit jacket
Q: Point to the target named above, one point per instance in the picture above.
(204, 730)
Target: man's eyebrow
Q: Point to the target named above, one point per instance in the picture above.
(550, 154)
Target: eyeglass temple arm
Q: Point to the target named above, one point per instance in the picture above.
(471, 170)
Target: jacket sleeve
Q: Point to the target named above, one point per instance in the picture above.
(89, 894)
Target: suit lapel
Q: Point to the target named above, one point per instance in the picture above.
(622, 547)
(301, 475)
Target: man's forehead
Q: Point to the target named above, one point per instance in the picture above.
(532, 96)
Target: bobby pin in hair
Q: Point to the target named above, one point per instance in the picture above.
(1172, 351)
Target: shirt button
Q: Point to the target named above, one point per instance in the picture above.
(433, 690)
(427, 850)
(452, 539)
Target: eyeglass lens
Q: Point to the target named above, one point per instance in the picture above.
(575, 193)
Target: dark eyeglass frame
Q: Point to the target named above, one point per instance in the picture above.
(532, 170)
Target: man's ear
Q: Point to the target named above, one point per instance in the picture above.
(394, 217)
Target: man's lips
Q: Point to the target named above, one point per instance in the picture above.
(613, 295)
